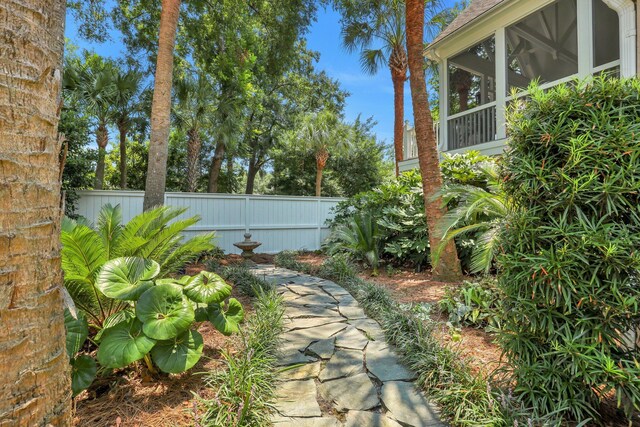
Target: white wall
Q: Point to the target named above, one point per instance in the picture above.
(279, 222)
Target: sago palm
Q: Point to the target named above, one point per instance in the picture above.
(360, 238)
(154, 234)
(480, 213)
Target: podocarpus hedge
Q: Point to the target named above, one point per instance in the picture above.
(571, 256)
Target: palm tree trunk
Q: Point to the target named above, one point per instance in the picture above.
(194, 144)
(35, 384)
(321, 161)
(398, 116)
(102, 139)
(161, 107)
(449, 265)
(123, 157)
(230, 177)
(216, 165)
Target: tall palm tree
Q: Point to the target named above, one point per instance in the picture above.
(127, 86)
(161, 106)
(93, 87)
(193, 113)
(380, 22)
(322, 133)
(35, 382)
(447, 267)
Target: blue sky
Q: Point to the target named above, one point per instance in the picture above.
(371, 95)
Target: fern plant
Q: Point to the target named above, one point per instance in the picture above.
(155, 235)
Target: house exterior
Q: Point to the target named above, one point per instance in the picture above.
(496, 47)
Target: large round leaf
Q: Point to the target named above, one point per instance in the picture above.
(127, 278)
(179, 354)
(123, 344)
(181, 281)
(227, 321)
(113, 320)
(164, 311)
(83, 372)
(207, 288)
(77, 331)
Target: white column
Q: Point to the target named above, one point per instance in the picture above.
(443, 71)
(585, 38)
(627, 15)
(501, 83)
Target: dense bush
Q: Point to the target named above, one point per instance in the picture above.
(476, 304)
(398, 207)
(570, 258)
(127, 303)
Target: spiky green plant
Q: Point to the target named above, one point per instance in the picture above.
(360, 238)
(569, 262)
(154, 235)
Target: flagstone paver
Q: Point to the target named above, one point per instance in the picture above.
(334, 353)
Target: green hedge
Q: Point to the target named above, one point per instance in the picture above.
(570, 256)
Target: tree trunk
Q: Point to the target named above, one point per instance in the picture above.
(449, 265)
(102, 139)
(230, 177)
(216, 165)
(251, 177)
(161, 107)
(35, 387)
(321, 161)
(123, 157)
(194, 144)
(398, 67)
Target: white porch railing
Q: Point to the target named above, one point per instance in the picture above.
(410, 148)
(472, 127)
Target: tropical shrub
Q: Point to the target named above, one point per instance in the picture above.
(476, 304)
(157, 324)
(360, 238)
(154, 235)
(398, 208)
(569, 254)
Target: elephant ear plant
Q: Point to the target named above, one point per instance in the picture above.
(157, 327)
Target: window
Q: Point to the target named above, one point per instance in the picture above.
(543, 46)
(606, 38)
(472, 77)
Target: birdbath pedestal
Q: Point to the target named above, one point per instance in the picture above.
(247, 246)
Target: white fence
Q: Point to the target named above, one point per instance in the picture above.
(279, 222)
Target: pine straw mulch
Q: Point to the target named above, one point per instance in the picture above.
(134, 398)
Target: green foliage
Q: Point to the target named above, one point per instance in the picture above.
(83, 367)
(398, 208)
(161, 330)
(244, 393)
(154, 235)
(472, 195)
(348, 172)
(476, 304)
(360, 238)
(569, 255)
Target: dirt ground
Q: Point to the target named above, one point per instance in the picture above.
(132, 398)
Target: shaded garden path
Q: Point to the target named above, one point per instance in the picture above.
(344, 373)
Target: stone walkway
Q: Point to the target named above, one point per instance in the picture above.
(338, 370)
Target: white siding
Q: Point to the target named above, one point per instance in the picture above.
(279, 222)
